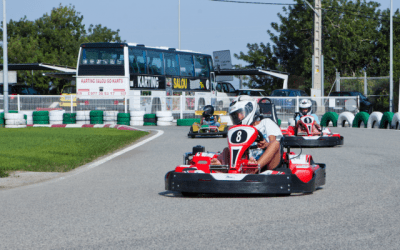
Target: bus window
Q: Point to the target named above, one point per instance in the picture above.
(187, 66)
(155, 62)
(137, 61)
(201, 66)
(171, 64)
(102, 56)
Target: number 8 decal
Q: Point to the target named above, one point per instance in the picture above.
(239, 136)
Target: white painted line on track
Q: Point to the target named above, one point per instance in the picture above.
(99, 162)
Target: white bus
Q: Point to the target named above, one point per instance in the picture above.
(119, 70)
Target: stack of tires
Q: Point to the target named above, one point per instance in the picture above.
(56, 116)
(14, 120)
(28, 115)
(110, 117)
(2, 119)
(69, 118)
(96, 117)
(40, 117)
(83, 117)
(137, 118)
(187, 121)
(123, 119)
(164, 118)
(149, 120)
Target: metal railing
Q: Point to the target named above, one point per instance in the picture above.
(181, 106)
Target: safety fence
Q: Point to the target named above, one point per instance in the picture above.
(181, 106)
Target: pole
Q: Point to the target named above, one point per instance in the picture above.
(179, 24)
(5, 59)
(391, 57)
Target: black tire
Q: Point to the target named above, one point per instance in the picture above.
(149, 116)
(360, 117)
(329, 117)
(124, 115)
(191, 132)
(225, 132)
(188, 194)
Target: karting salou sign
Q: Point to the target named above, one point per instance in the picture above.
(148, 82)
(102, 86)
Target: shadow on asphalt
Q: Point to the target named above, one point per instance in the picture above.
(172, 194)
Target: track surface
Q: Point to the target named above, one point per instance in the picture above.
(122, 204)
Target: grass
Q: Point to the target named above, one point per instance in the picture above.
(58, 149)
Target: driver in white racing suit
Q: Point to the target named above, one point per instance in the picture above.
(245, 111)
(305, 108)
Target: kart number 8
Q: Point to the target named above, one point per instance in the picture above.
(239, 136)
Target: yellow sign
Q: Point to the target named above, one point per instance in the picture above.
(180, 83)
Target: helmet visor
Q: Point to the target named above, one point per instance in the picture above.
(237, 116)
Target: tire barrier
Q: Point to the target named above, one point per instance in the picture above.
(123, 119)
(69, 118)
(386, 121)
(345, 118)
(83, 117)
(56, 116)
(96, 117)
(164, 118)
(14, 119)
(361, 119)
(40, 117)
(1, 119)
(374, 119)
(329, 117)
(187, 122)
(396, 121)
(149, 120)
(137, 118)
(29, 116)
(110, 117)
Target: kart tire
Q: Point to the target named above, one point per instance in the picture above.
(151, 120)
(27, 112)
(360, 118)
(83, 113)
(345, 117)
(165, 119)
(110, 118)
(374, 119)
(15, 126)
(187, 122)
(137, 113)
(396, 121)
(13, 116)
(329, 117)
(137, 123)
(96, 113)
(149, 124)
(124, 123)
(124, 115)
(13, 111)
(160, 123)
(225, 132)
(40, 113)
(16, 122)
(82, 118)
(40, 118)
(110, 113)
(386, 121)
(123, 119)
(149, 116)
(56, 122)
(137, 118)
(191, 132)
(69, 115)
(40, 122)
(163, 113)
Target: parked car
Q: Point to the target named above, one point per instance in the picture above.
(66, 92)
(365, 104)
(225, 91)
(252, 92)
(20, 89)
(288, 101)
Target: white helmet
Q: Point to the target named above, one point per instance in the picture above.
(305, 107)
(244, 110)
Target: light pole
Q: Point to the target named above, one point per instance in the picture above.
(391, 58)
(5, 60)
(179, 25)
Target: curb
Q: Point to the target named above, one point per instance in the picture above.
(120, 127)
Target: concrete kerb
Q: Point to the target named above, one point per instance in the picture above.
(31, 179)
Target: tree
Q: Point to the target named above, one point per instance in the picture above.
(54, 39)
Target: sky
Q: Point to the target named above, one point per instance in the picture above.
(205, 25)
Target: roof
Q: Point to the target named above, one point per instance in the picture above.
(39, 66)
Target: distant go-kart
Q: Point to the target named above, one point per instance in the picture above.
(294, 174)
(203, 130)
(306, 138)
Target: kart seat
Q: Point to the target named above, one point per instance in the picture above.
(267, 109)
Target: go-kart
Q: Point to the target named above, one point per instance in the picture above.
(199, 129)
(294, 174)
(306, 138)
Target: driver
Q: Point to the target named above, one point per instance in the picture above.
(245, 111)
(305, 109)
(208, 116)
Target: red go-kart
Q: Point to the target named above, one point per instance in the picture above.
(306, 138)
(295, 173)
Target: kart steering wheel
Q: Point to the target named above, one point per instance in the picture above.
(266, 99)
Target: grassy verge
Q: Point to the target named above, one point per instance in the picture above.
(58, 149)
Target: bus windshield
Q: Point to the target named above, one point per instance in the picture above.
(102, 56)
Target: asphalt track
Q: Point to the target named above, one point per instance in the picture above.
(121, 203)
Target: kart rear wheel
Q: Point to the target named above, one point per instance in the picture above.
(191, 132)
(188, 194)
